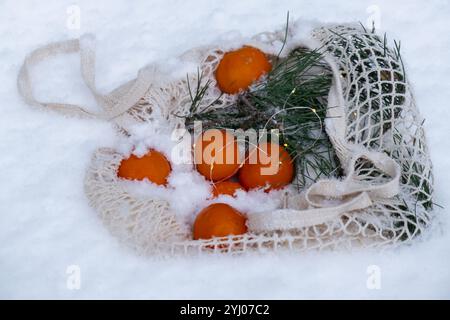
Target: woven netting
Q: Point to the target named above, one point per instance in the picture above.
(380, 116)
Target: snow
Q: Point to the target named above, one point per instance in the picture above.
(46, 224)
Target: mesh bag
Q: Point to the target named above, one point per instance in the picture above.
(385, 196)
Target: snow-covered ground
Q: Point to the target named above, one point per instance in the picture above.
(46, 225)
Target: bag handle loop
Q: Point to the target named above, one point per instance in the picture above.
(113, 104)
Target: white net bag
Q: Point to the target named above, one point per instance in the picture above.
(385, 196)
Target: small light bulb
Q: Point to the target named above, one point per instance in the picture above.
(313, 110)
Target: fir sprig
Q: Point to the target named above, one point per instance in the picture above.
(292, 99)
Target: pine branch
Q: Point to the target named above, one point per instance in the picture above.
(293, 99)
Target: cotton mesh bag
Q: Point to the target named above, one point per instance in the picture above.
(383, 198)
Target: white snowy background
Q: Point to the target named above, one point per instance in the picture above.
(46, 224)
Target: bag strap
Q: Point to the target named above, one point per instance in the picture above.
(113, 104)
(326, 200)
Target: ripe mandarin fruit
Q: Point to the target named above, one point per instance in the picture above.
(226, 187)
(216, 154)
(219, 220)
(153, 166)
(238, 69)
(260, 169)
